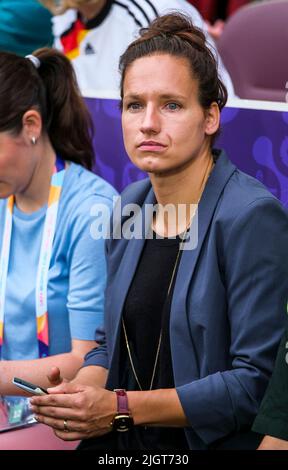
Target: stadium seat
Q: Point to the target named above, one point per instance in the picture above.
(253, 47)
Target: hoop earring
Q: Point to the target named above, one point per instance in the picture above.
(33, 140)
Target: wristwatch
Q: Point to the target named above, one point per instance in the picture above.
(123, 420)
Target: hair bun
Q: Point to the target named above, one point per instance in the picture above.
(173, 23)
(176, 24)
(174, 34)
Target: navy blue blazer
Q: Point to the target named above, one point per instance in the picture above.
(229, 302)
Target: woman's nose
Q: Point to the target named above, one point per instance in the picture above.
(151, 122)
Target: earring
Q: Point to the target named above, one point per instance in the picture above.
(33, 140)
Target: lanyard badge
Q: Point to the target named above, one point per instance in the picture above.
(44, 259)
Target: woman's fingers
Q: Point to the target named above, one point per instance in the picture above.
(66, 399)
(64, 425)
(69, 429)
(58, 413)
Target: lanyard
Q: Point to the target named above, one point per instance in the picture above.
(44, 259)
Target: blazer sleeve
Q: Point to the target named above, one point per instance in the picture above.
(99, 356)
(256, 274)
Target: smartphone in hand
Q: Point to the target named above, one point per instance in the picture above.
(28, 387)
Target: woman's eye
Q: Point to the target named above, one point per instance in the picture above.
(133, 106)
(173, 106)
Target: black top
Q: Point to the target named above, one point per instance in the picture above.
(146, 312)
(273, 415)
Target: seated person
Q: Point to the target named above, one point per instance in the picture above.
(195, 305)
(93, 34)
(52, 271)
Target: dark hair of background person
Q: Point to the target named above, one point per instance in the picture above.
(176, 35)
(52, 90)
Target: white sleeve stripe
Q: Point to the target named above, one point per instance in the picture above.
(129, 13)
(142, 11)
(144, 8)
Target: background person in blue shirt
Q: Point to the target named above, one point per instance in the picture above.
(43, 122)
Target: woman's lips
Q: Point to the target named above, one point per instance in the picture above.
(151, 146)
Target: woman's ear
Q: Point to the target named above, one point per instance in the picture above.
(32, 125)
(212, 119)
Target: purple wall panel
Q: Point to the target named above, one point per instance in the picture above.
(255, 140)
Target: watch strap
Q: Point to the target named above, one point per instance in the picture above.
(122, 401)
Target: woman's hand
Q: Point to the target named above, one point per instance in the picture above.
(76, 411)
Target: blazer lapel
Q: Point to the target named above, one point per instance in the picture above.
(179, 328)
(125, 273)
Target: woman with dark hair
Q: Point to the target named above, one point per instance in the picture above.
(52, 271)
(195, 307)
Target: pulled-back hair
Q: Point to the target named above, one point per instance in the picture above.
(176, 35)
(52, 90)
